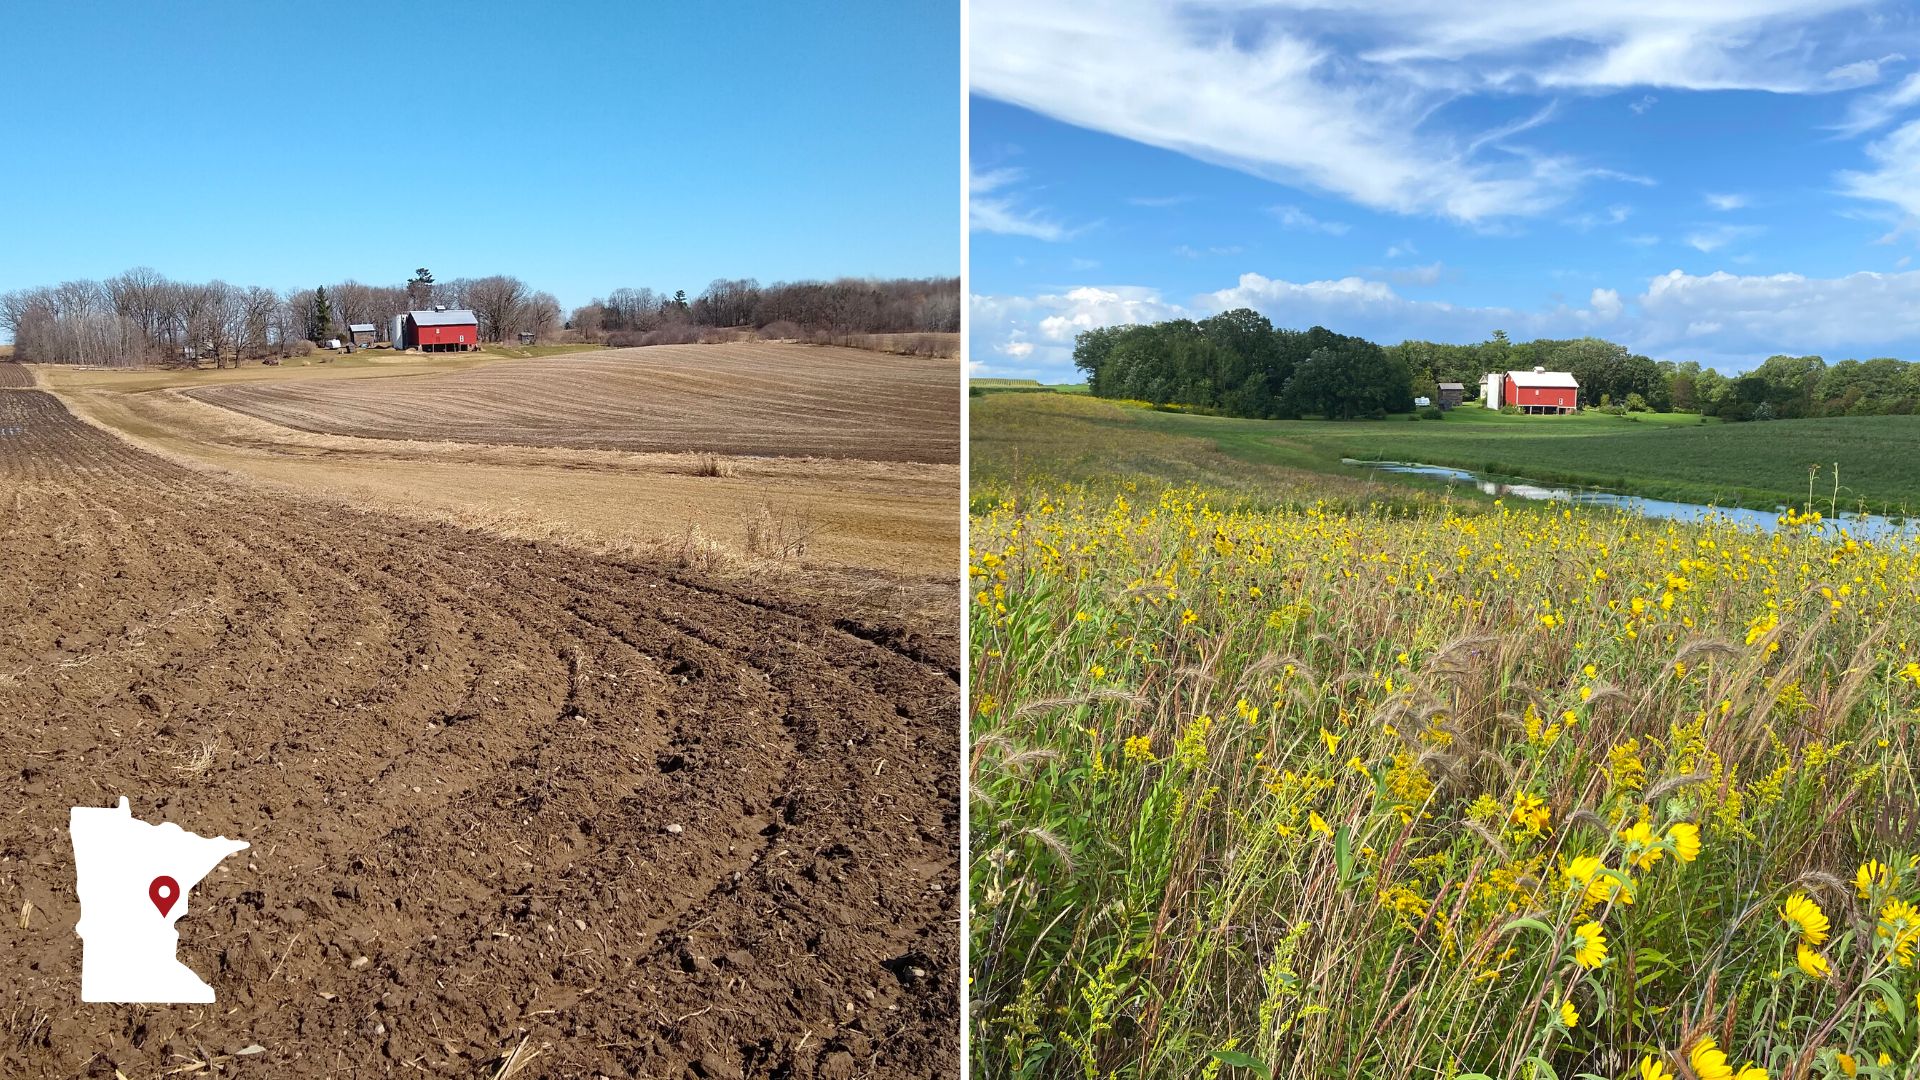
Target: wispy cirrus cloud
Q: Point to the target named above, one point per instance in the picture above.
(993, 207)
(1293, 217)
(1711, 238)
(1279, 89)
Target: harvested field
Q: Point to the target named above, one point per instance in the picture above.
(500, 794)
(744, 398)
(14, 376)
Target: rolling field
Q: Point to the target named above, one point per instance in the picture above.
(748, 399)
(610, 810)
(1671, 456)
(1275, 777)
(848, 515)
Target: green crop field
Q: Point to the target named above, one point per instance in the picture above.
(1673, 456)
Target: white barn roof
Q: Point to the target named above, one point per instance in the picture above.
(1555, 379)
(454, 317)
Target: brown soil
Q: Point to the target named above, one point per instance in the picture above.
(750, 398)
(461, 761)
(14, 376)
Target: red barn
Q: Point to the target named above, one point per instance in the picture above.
(439, 330)
(1538, 391)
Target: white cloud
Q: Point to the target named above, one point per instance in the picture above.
(1613, 215)
(1295, 218)
(1404, 247)
(1276, 88)
(1188, 251)
(1869, 111)
(992, 208)
(1640, 107)
(1712, 238)
(1895, 178)
(1729, 201)
(1861, 72)
(1606, 304)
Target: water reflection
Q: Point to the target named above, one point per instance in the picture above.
(1858, 526)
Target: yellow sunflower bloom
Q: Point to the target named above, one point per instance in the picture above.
(1569, 1015)
(1873, 874)
(1686, 841)
(1651, 1069)
(1802, 912)
(1750, 1071)
(1811, 962)
(1709, 1061)
(1641, 846)
(1846, 1063)
(1590, 945)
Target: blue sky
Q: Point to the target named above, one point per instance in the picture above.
(581, 147)
(1711, 180)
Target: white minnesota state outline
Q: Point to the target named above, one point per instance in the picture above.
(127, 941)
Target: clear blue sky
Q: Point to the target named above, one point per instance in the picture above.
(581, 147)
(1711, 180)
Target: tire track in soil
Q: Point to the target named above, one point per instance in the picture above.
(461, 759)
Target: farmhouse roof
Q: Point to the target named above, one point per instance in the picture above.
(1452, 386)
(453, 317)
(360, 327)
(1559, 379)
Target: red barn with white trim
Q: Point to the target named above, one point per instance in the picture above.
(439, 330)
(1536, 391)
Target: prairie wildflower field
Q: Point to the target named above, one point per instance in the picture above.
(1295, 787)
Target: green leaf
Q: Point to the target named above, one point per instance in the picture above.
(1242, 1061)
(1529, 924)
(1343, 852)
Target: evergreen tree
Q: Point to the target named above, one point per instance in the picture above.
(320, 319)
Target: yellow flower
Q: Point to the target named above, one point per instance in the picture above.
(1331, 740)
(1590, 946)
(1139, 750)
(1590, 671)
(1569, 1015)
(1188, 618)
(1750, 1071)
(1899, 929)
(1805, 914)
(1814, 964)
(1709, 1061)
(1885, 1059)
(1641, 849)
(1529, 812)
(1318, 824)
(1846, 1063)
(1600, 883)
(1873, 874)
(1651, 1069)
(1686, 841)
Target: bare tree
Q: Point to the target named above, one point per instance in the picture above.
(499, 303)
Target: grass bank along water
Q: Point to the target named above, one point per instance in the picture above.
(1281, 775)
(1673, 456)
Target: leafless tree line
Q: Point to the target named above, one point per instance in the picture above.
(141, 317)
(837, 308)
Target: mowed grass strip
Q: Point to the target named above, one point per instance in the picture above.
(740, 398)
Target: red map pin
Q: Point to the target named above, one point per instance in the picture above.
(163, 892)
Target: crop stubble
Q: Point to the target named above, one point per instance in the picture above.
(459, 757)
(749, 399)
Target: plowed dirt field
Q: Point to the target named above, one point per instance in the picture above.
(751, 398)
(502, 797)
